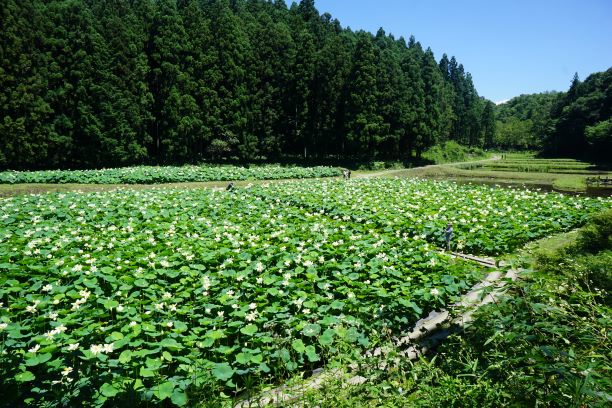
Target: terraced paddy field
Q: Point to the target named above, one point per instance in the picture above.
(531, 164)
(177, 296)
(522, 169)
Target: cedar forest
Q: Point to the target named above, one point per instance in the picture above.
(86, 83)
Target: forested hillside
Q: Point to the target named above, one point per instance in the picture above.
(522, 122)
(88, 83)
(576, 123)
(581, 119)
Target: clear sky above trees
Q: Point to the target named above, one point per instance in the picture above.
(510, 47)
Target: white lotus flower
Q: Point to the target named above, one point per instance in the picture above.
(96, 349)
(73, 346)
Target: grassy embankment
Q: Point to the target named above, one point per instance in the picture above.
(545, 342)
(449, 152)
(518, 168)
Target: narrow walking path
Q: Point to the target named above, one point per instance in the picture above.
(488, 262)
(438, 325)
(386, 173)
(424, 336)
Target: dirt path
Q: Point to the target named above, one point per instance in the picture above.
(386, 173)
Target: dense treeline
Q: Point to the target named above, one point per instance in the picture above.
(523, 121)
(86, 83)
(581, 119)
(576, 123)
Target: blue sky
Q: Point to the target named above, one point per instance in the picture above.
(510, 47)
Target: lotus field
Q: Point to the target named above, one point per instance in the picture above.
(175, 295)
(166, 174)
(486, 220)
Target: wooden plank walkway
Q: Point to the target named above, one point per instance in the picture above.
(488, 262)
(425, 335)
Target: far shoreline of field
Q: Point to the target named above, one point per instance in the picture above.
(559, 182)
(8, 190)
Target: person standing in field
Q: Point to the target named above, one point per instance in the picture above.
(448, 235)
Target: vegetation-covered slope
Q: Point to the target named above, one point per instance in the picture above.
(581, 119)
(576, 123)
(522, 122)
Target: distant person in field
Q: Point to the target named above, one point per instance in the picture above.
(230, 187)
(345, 174)
(448, 235)
(348, 174)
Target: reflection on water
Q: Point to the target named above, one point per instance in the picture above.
(599, 191)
